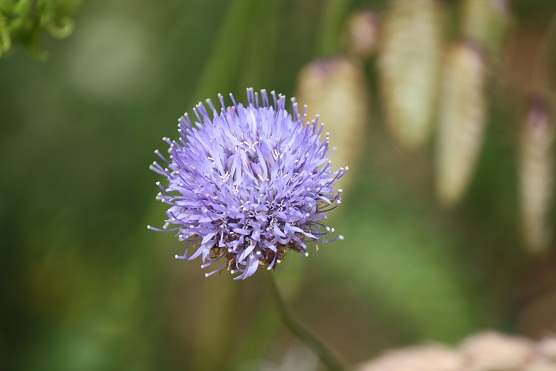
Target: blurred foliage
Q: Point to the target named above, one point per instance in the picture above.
(22, 21)
(86, 286)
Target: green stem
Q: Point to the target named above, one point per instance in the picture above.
(327, 358)
(221, 67)
(331, 26)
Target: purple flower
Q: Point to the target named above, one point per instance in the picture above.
(248, 184)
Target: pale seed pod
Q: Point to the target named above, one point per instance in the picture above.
(536, 174)
(540, 365)
(409, 61)
(483, 351)
(335, 89)
(462, 112)
(547, 348)
(491, 351)
(418, 358)
(485, 23)
(362, 34)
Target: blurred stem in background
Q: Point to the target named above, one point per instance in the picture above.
(223, 62)
(218, 305)
(260, 54)
(332, 22)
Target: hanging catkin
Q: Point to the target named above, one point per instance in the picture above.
(461, 121)
(335, 90)
(409, 64)
(536, 174)
(485, 23)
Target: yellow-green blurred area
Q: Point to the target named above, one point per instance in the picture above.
(85, 286)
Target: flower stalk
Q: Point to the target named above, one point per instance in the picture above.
(325, 355)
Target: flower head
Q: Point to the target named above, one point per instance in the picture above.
(248, 184)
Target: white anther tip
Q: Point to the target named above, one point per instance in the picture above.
(341, 237)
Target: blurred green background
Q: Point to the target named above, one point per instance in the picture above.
(85, 286)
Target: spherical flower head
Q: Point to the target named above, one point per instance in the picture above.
(248, 184)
